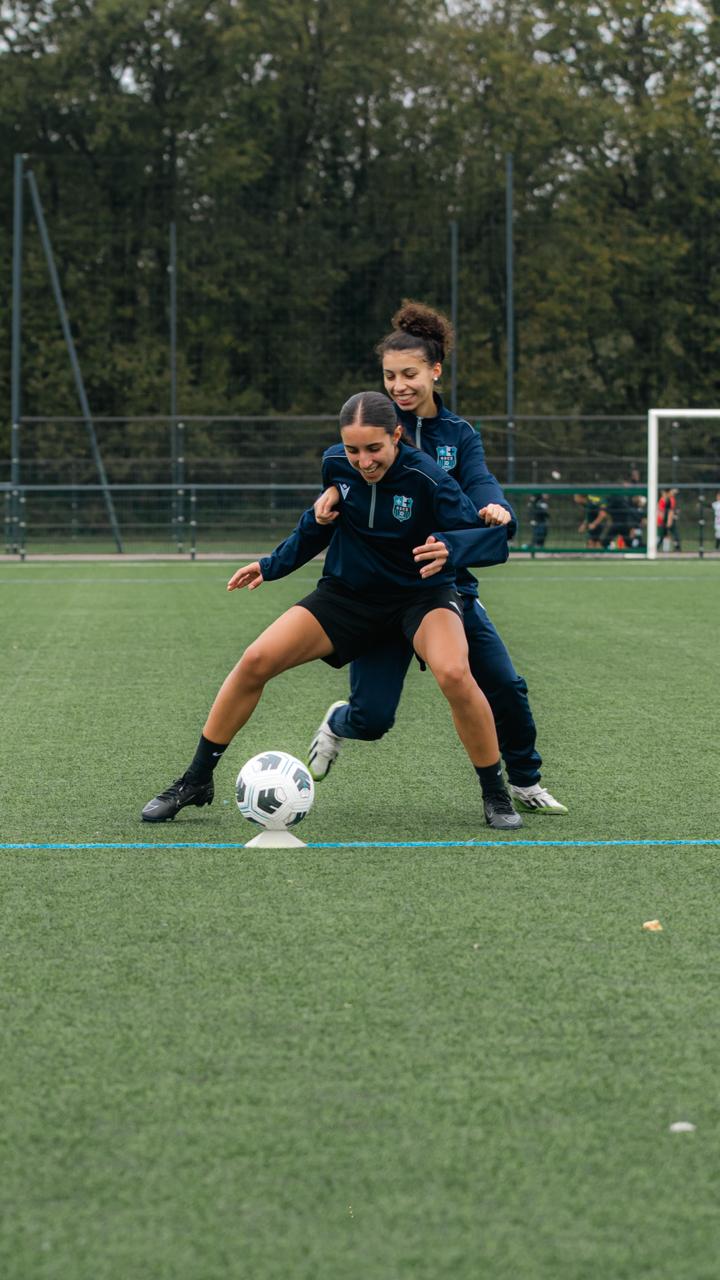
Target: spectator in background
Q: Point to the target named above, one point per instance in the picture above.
(639, 521)
(667, 520)
(675, 531)
(595, 518)
(620, 513)
(716, 515)
(539, 519)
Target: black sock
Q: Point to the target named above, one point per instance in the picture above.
(206, 757)
(491, 778)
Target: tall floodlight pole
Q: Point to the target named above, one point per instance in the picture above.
(509, 317)
(11, 530)
(453, 310)
(69, 342)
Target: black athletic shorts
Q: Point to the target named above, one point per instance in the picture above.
(356, 622)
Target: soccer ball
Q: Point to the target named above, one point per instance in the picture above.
(274, 790)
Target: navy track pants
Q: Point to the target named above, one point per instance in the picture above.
(376, 682)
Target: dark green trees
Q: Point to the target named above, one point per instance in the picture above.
(312, 154)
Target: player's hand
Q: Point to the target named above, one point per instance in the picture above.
(493, 513)
(249, 576)
(432, 556)
(323, 506)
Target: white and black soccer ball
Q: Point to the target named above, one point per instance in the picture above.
(274, 790)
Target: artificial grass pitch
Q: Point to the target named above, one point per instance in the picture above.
(358, 1062)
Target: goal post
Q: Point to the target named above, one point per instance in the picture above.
(653, 442)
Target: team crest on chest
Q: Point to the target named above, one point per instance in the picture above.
(447, 456)
(402, 507)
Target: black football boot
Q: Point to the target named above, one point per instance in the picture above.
(179, 794)
(499, 812)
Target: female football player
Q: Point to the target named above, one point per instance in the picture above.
(411, 356)
(383, 575)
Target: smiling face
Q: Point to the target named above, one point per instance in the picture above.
(409, 378)
(371, 450)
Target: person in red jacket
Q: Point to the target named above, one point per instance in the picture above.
(667, 519)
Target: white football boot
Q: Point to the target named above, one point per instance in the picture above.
(535, 799)
(325, 746)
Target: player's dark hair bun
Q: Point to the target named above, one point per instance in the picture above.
(422, 322)
(416, 326)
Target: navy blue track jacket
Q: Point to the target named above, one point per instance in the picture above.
(371, 542)
(458, 449)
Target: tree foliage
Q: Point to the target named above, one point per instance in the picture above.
(312, 154)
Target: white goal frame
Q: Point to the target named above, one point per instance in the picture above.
(654, 417)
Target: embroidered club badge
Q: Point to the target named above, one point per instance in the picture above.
(402, 507)
(447, 456)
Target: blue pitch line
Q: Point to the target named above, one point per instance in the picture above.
(363, 844)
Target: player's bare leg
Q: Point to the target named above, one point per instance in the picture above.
(293, 639)
(440, 642)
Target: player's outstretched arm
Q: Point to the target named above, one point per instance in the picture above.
(308, 539)
(471, 542)
(477, 548)
(250, 576)
(478, 483)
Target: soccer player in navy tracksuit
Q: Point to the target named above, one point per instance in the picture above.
(405, 528)
(412, 356)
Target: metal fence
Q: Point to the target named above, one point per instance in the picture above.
(220, 482)
(250, 519)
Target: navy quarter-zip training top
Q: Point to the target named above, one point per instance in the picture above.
(458, 449)
(371, 542)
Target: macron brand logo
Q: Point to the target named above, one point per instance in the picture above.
(344, 489)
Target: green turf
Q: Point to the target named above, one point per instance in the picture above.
(358, 1063)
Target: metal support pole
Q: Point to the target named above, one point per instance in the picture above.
(22, 523)
(12, 510)
(79, 384)
(701, 525)
(74, 505)
(172, 272)
(193, 523)
(453, 310)
(510, 317)
(675, 460)
(180, 480)
(652, 484)
(510, 450)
